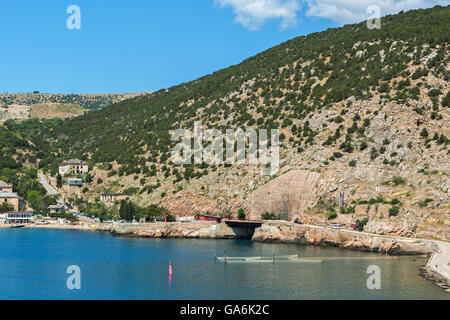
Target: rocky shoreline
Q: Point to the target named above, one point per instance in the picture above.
(311, 235)
(441, 282)
(282, 232)
(286, 233)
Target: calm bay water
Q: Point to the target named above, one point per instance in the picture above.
(33, 265)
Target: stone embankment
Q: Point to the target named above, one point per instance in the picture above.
(437, 268)
(282, 232)
(312, 235)
(160, 230)
(189, 230)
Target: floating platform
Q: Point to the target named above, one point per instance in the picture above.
(259, 259)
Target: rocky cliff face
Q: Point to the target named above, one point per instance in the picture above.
(186, 203)
(288, 195)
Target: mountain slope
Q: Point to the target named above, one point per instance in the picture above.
(279, 84)
(369, 109)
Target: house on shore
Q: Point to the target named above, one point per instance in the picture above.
(55, 209)
(8, 196)
(73, 167)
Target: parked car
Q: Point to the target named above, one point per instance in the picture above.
(336, 226)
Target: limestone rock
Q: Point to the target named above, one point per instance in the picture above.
(288, 195)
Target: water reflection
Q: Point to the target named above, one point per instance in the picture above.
(33, 266)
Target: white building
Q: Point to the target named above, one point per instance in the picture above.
(73, 167)
(59, 208)
(18, 217)
(112, 197)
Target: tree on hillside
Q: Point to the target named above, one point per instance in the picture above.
(241, 214)
(89, 178)
(127, 210)
(35, 200)
(59, 181)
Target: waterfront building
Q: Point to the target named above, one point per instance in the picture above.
(58, 208)
(18, 217)
(10, 198)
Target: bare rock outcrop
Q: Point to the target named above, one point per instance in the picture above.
(186, 203)
(288, 195)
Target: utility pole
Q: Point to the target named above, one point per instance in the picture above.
(341, 200)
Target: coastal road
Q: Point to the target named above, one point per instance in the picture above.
(440, 261)
(50, 190)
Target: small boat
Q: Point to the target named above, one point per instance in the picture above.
(17, 225)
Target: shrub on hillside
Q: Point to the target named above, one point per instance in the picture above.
(269, 216)
(398, 180)
(393, 211)
(241, 214)
(360, 224)
(332, 215)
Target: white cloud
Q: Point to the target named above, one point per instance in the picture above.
(252, 14)
(351, 11)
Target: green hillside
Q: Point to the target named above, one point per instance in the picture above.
(342, 97)
(284, 77)
(366, 109)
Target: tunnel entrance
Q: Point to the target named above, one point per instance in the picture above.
(243, 229)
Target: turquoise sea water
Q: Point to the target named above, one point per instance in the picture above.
(33, 265)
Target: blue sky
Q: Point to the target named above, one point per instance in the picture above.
(146, 45)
